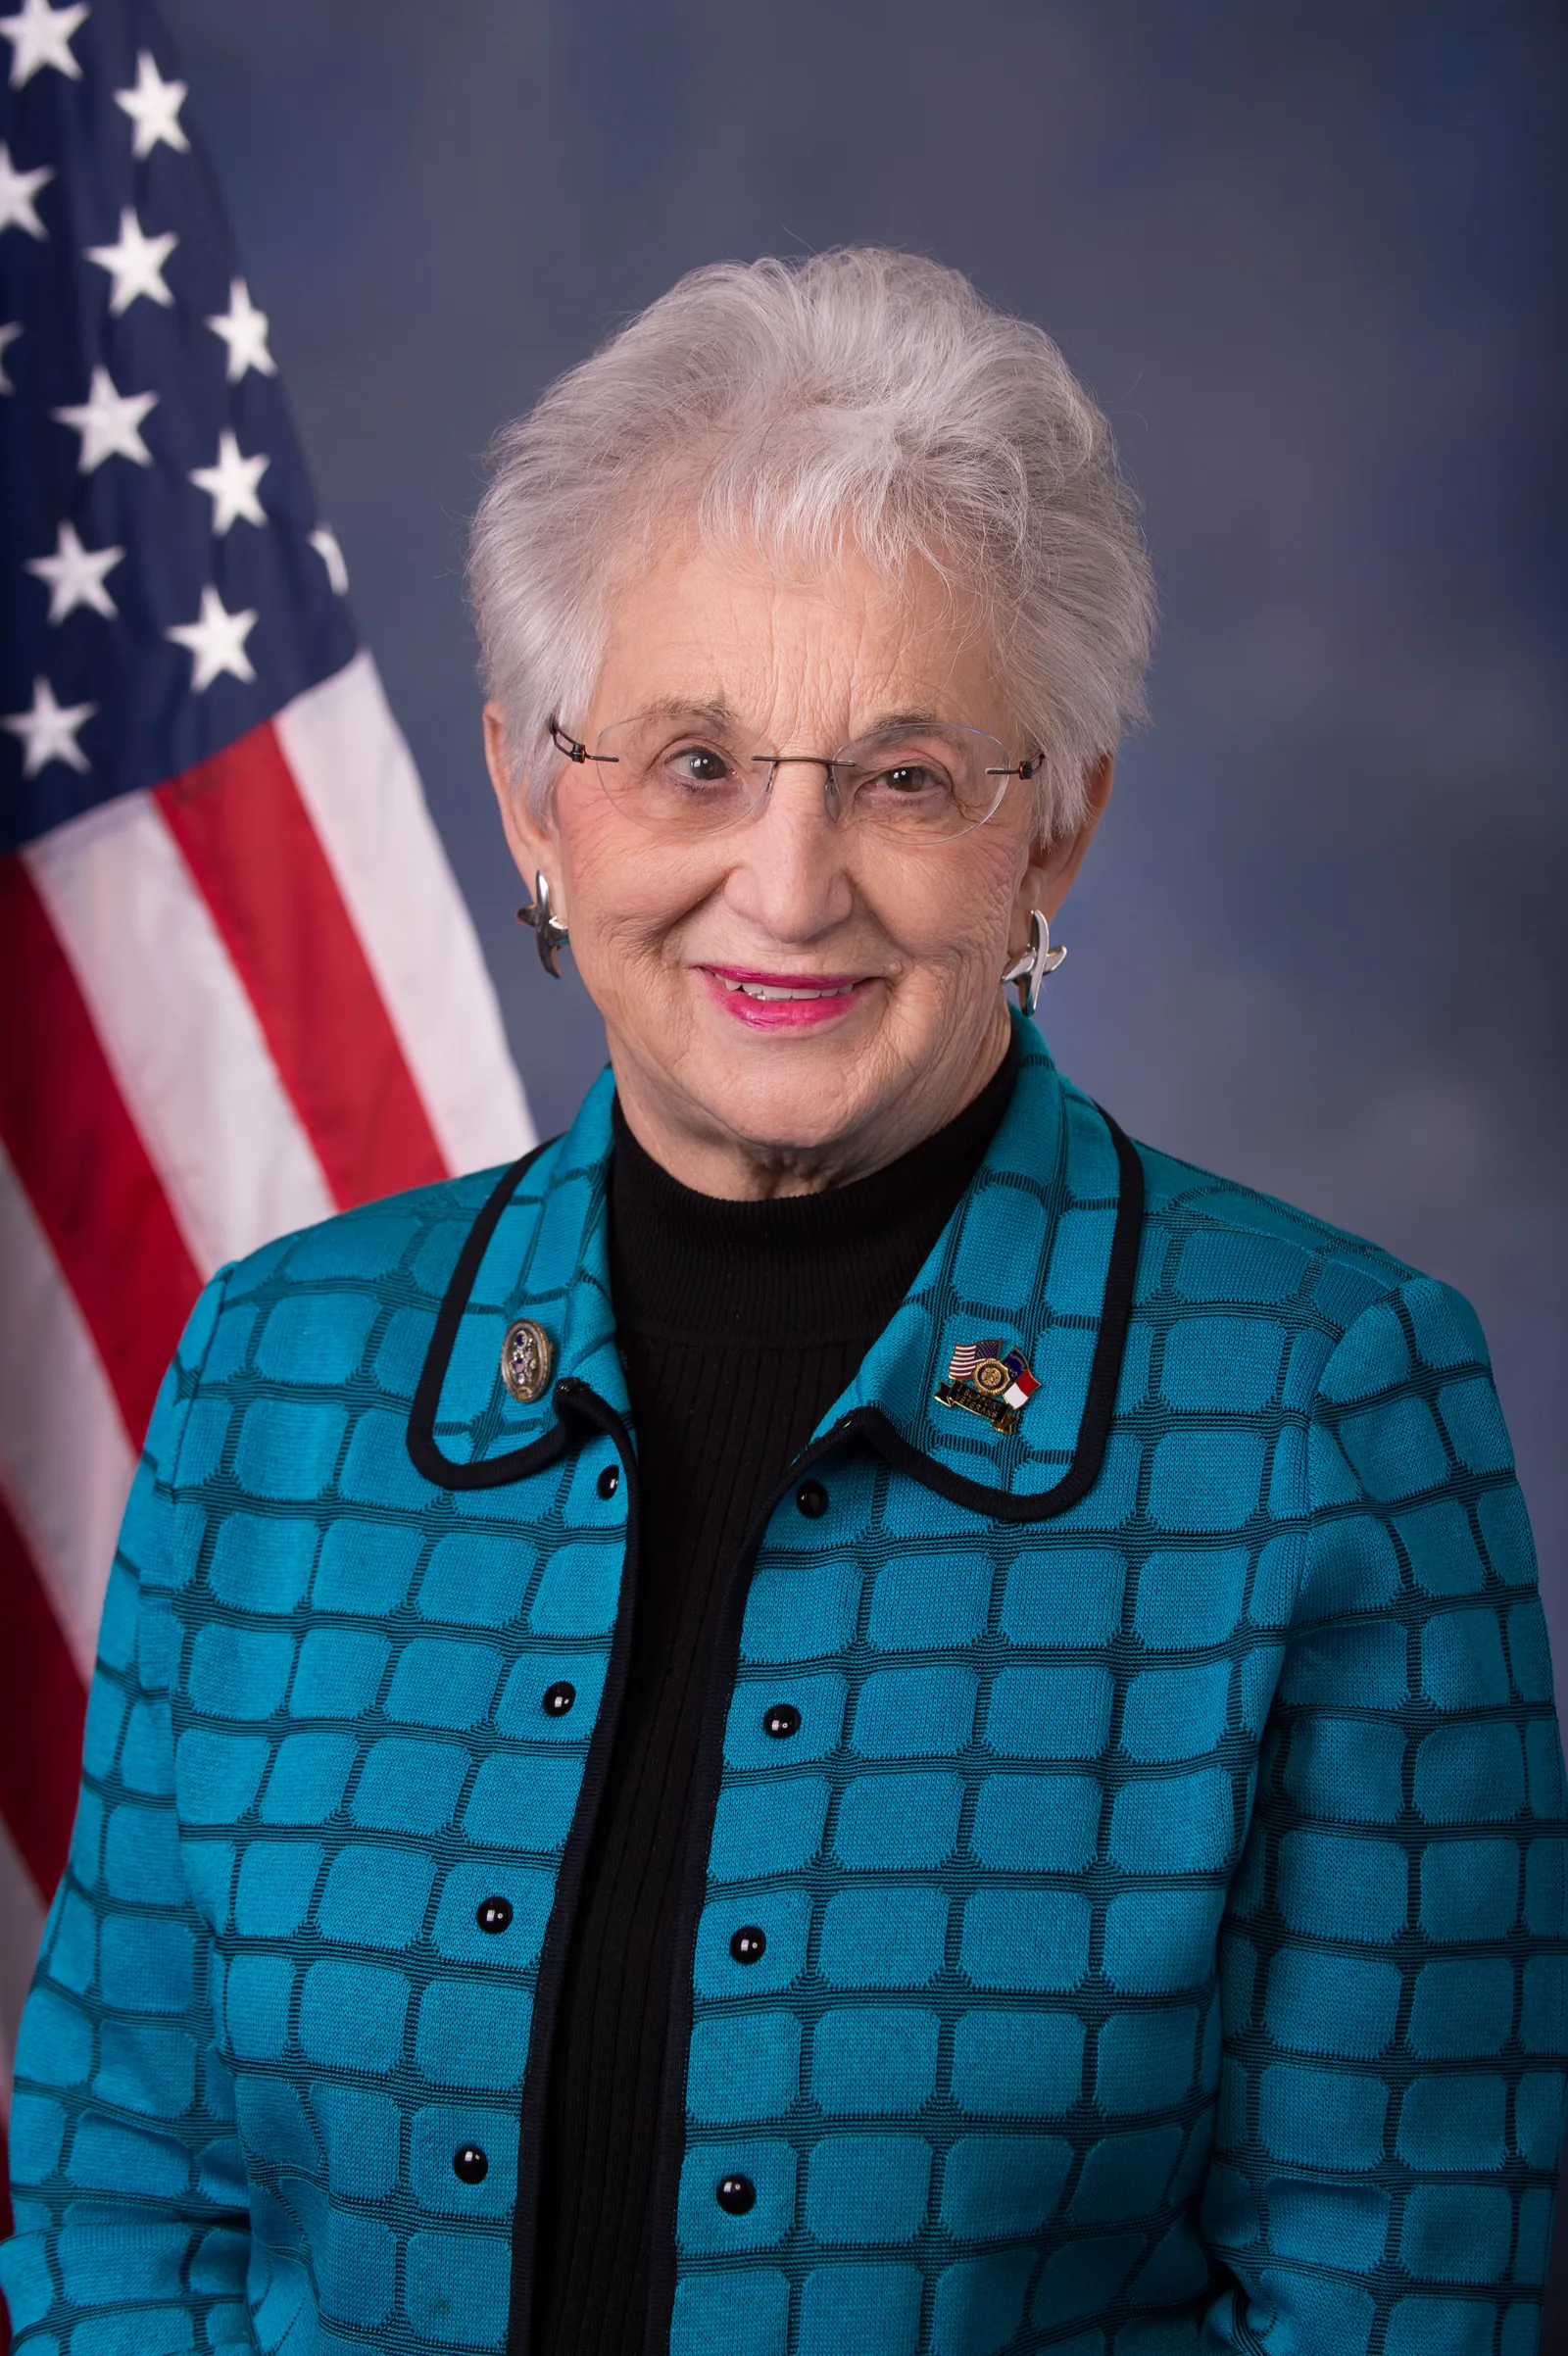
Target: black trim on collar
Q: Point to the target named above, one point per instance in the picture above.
(1099, 1402)
(866, 1423)
(489, 1472)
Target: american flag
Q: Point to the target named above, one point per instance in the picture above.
(1022, 1384)
(240, 987)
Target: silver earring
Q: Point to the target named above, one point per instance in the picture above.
(549, 933)
(1028, 973)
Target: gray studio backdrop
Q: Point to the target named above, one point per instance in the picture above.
(1306, 256)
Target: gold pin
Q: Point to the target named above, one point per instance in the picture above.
(528, 1355)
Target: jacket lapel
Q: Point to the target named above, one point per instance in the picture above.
(1040, 1258)
(538, 1250)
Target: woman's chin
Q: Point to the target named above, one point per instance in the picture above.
(785, 1089)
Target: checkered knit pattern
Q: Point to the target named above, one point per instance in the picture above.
(1161, 1899)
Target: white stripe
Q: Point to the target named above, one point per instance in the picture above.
(22, 1913)
(179, 1030)
(66, 1462)
(357, 778)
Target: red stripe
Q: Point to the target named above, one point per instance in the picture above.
(42, 1702)
(81, 1160)
(247, 838)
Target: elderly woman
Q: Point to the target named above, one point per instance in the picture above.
(843, 1713)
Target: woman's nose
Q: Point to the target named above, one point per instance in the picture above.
(789, 875)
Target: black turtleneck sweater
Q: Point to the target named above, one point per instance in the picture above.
(739, 1324)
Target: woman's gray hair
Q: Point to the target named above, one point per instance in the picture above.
(861, 396)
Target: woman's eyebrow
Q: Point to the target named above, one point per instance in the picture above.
(716, 709)
(885, 724)
(898, 720)
(719, 713)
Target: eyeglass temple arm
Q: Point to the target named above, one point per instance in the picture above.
(570, 747)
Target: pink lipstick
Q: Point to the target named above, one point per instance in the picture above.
(784, 1002)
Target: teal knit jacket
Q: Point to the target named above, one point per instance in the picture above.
(1125, 1911)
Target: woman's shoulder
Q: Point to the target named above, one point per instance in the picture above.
(1178, 1191)
(307, 1354)
(1217, 1243)
(372, 1240)
(424, 1226)
(317, 1298)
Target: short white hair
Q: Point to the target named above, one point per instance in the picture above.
(861, 396)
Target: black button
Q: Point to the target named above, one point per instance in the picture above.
(737, 2194)
(493, 1914)
(560, 1698)
(748, 1942)
(471, 2167)
(781, 1721)
(609, 1481)
(811, 1500)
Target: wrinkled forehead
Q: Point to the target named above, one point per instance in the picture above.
(811, 657)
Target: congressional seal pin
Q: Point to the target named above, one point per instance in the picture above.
(987, 1378)
(528, 1355)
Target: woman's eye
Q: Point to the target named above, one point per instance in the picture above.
(699, 766)
(911, 778)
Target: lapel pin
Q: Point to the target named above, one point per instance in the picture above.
(528, 1355)
(987, 1378)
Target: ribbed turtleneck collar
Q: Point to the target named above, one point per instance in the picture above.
(798, 1269)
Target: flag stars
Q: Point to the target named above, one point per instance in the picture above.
(324, 542)
(16, 192)
(231, 484)
(48, 732)
(215, 640)
(243, 329)
(8, 336)
(109, 423)
(153, 105)
(40, 36)
(136, 264)
(76, 576)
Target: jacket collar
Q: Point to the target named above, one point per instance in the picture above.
(1040, 1255)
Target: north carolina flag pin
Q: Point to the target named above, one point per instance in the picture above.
(987, 1378)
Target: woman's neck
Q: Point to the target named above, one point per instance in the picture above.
(794, 1267)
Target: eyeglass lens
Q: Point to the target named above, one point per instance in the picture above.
(920, 782)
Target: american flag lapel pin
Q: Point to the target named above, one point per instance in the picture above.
(990, 1379)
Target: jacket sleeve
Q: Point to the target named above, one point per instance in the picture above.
(128, 2187)
(1391, 2103)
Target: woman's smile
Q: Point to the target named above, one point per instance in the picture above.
(785, 1001)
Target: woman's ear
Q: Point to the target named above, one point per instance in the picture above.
(1053, 866)
(531, 843)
